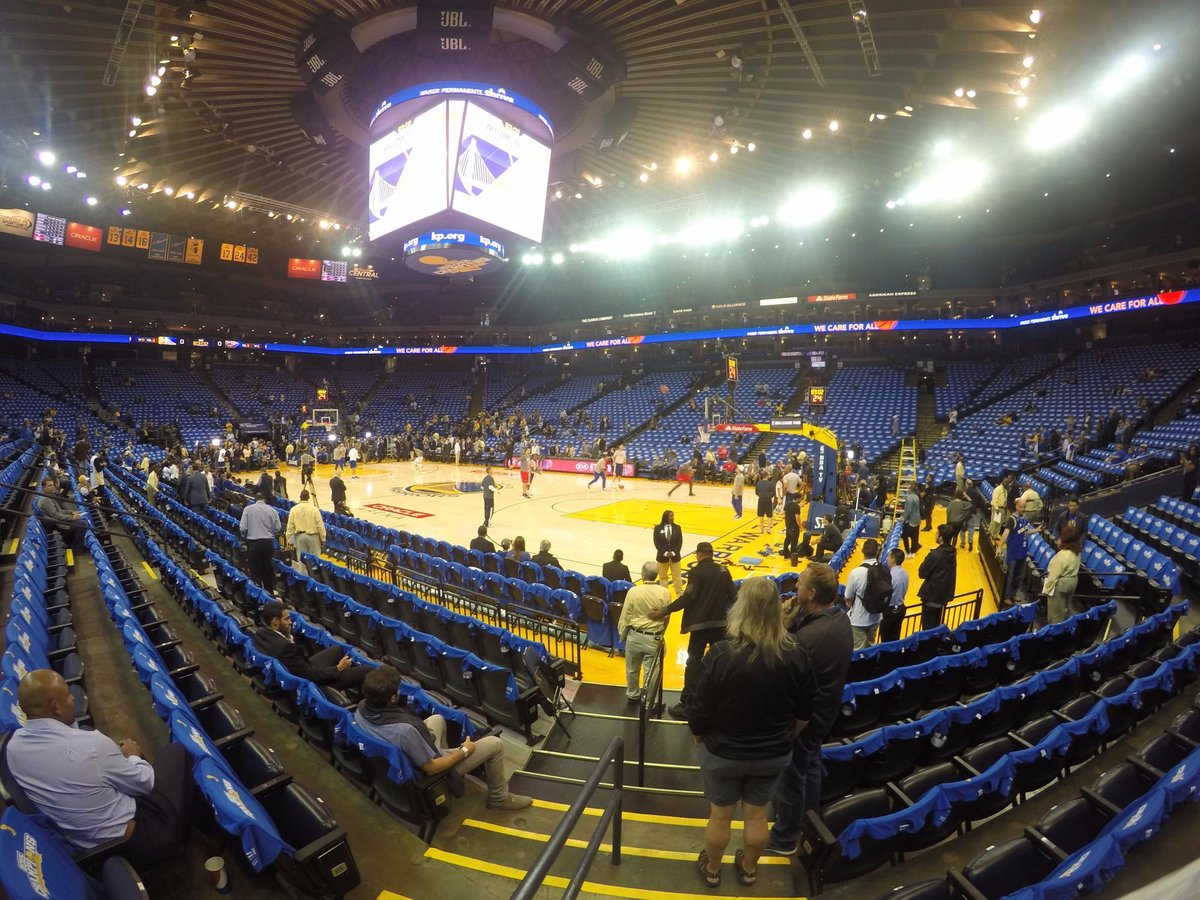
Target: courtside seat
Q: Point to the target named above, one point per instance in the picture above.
(1005, 868)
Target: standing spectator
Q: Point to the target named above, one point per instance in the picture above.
(979, 508)
(616, 570)
(863, 622)
(337, 495)
(912, 520)
(1062, 575)
(791, 525)
(735, 498)
(752, 691)
(960, 474)
(152, 486)
(765, 492)
(1190, 460)
(1073, 517)
(1012, 541)
(668, 542)
(822, 631)
(704, 602)
(641, 633)
(893, 616)
(280, 484)
(1033, 504)
(195, 494)
(958, 511)
(940, 571)
(259, 527)
(305, 528)
(266, 486)
(489, 488)
(928, 495)
(999, 505)
(895, 424)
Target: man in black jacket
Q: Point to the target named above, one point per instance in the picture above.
(195, 493)
(822, 631)
(482, 542)
(337, 495)
(266, 487)
(668, 542)
(705, 602)
(544, 557)
(329, 666)
(615, 569)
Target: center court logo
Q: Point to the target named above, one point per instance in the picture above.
(440, 489)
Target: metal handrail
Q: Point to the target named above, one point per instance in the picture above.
(614, 755)
(970, 600)
(652, 690)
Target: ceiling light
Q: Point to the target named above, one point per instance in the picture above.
(1156, 47)
(644, 177)
(162, 70)
(1027, 62)
(122, 180)
(578, 196)
(151, 90)
(558, 195)
(733, 148)
(47, 157)
(557, 259)
(751, 147)
(1024, 81)
(232, 204)
(971, 95)
(81, 174)
(133, 132)
(45, 185)
(90, 201)
(356, 253)
(1035, 17)
(958, 92)
(71, 170)
(190, 195)
(169, 191)
(806, 134)
(125, 210)
(33, 180)
(683, 165)
(942, 149)
(323, 224)
(807, 206)
(155, 80)
(1056, 127)
(1122, 76)
(834, 125)
(712, 157)
(908, 109)
(1022, 102)
(951, 181)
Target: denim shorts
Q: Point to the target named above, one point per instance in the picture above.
(753, 781)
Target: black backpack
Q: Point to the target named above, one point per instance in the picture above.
(878, 595)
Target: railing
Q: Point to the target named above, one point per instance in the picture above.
(561, 637)
(961, 609)
(652, 690)
(613, 755)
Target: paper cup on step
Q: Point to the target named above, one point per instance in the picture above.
(218, 875)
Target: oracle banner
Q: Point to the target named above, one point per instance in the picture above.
(16, 221)
(578, 466)
(83, 237)
(304, 268)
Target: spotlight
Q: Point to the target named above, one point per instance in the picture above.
(951, 182)
(958, 92)
(1122, 76)
(151, 90)
(47, 157)
(1035, 17)
(125, 210)
(578, 196)
(71, 170)
(751, 147)
(683, 165)
(558, 195)
(323, 224)
(169, 191)
(712, 157)
(970, 95)
(231, 204)
(1022, 102)
(45, 185)
(1056, 128)
(122, 181)
(133, 132)
(942, 149)
(834, 125)
(644, 177)
(81, 174)
(155, 80)
(90, 201)
(357, 253)
(653, 167)
(143, 186)
(162, 70)
(557, 259)
(33, 180)
(807, 206)
(1024, 81)
(345, 251)
(733, 148)
(806, 134)
(190, 195)
(1027, 62)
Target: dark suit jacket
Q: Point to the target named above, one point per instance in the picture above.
(663, 546)
(195, 489)
(266, 483)
(707, 597)
(483, 545)
(938, 569)
(272, 643)
(546, 559)
(337, 489)
(616, 571)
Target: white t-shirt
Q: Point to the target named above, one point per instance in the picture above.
(856, 587)
(352, 454)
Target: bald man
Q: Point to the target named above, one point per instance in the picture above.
(93, 789)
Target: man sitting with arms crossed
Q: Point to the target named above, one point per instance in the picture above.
(94, 790)
(424, 740)
(641, 633)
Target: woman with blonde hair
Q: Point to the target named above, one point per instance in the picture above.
(754, 692)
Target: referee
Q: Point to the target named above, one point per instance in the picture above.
(259, 527)
(305, 529)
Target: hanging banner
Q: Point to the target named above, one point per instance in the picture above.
(83, 237)
(304, 268)
(193, 251)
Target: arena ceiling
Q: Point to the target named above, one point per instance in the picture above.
(707, 77)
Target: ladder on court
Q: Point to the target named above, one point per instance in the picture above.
(906, 473)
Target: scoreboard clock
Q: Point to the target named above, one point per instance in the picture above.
(816, 395)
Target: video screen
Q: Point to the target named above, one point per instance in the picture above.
(500, 175)
(50, 229)
(407, 168)
(334, 270)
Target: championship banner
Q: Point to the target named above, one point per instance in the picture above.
(158, 244)
(304, 268)
(83, 237)
(142, 241)
(129, 237)
(16, 221)
(193, 251)
(239, 253)
(114, 235)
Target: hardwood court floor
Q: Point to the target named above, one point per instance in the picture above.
(584, 526)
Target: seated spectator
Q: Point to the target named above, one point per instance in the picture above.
(61, 515)
(329, 666)
(482, 542)
(424, 740)
(544, 557)
(518, 551)
(615, 569)
(93, 789)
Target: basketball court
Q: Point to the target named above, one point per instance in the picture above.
(584, 526)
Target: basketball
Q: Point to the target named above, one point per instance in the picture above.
(663, 389)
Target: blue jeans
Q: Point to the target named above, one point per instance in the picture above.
(799, 790)
(599, 476)
(1014, 578)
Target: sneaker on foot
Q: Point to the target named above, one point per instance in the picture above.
(779, 848)
(511, 801)
(678, 711)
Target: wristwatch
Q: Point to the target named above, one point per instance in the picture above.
(466, 750)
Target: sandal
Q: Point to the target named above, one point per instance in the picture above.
(744, 878)
(713, 881)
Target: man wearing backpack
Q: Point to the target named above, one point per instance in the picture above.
(868, 594)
